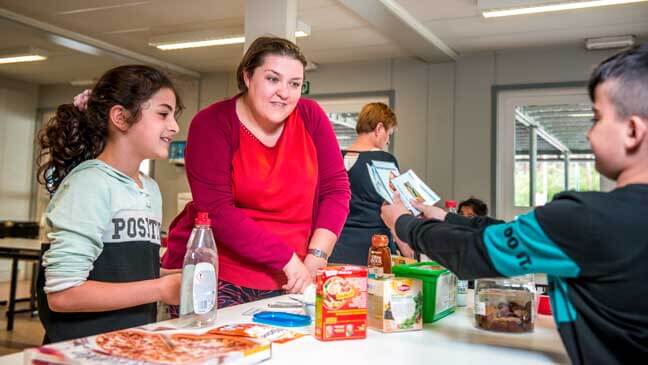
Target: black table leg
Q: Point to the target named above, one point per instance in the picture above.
(32, 288)
(12, 294)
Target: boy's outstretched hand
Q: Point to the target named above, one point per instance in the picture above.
(430, 211)
(391, 212)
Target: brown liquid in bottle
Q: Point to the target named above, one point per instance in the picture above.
(379, 261)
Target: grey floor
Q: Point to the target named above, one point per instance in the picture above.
(27, 332)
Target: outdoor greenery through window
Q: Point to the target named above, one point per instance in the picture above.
(552, 149)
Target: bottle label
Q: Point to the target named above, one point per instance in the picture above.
(186, 300)
(375, 260)
(204, 288)
(462, 286)
(480, 308)
(375, 272)
(446, 294)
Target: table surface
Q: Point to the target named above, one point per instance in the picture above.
(21, 244)
(451, 340)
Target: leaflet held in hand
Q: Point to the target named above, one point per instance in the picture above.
(386, 179)
(411, 187)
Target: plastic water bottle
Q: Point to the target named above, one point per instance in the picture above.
(462, 285)
(198, 299)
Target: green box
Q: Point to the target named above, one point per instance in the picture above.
(439, 288)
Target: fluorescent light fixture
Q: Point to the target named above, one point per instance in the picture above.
(75, 45)
(581, 115)
(83, 82)
(22, 55)
(196, 44)
(610, 42)
(303, 30)
(311, 66)
(499, 8)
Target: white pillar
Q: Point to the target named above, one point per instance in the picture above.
(270, 17)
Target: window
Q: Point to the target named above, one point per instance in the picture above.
(541, 147)
(343, 111)
(552, 153)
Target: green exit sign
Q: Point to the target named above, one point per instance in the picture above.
(306, 88)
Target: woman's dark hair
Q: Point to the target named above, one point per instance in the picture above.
(73, 136)
(261, 47)
(479, 207)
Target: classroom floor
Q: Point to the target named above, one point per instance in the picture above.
(27, 332)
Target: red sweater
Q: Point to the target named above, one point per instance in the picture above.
(251, 251)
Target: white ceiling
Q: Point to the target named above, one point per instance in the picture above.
(338, 34)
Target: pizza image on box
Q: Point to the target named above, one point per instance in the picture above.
(338, 292)
(137, 346)
(171, 349)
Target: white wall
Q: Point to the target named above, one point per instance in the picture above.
(476, 74)
(444, 110)
(18, 101)
(17, 125)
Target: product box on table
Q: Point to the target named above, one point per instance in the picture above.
(341, 303)
(153, 344)
(395, 304)
(439, 288)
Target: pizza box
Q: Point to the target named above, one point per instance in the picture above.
(155, 345)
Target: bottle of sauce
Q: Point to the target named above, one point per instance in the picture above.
(379, 261)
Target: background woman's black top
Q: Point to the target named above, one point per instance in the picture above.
(364, 217)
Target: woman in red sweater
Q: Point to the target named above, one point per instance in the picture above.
(267, 167)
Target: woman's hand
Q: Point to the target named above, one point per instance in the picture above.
(313, 263)
(430, 211)
(298, 276)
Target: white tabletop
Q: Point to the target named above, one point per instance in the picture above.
(21, 243)
(451, 340)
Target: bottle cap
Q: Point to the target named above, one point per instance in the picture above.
(202, 219)
(451, 204)
(379, 240)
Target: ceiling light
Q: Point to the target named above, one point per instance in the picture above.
(499, 8)
(196, 44)
(610, 42)
(303, 30)
(22, 55)
(83, 82)
(311, 66)
(580, 115)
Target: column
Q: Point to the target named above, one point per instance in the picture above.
(270, 17)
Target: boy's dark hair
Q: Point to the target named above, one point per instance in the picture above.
(628, 72)
(479, 207)
(259, 49)
(73, 136)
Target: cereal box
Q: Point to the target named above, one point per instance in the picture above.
(341, 303)
(395, 304)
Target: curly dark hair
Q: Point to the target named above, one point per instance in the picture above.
(73, 136)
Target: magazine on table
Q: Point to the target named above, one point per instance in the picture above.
(411, 187)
